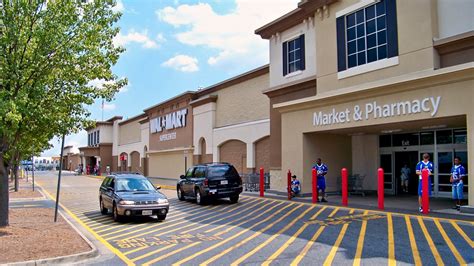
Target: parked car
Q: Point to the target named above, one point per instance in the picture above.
(131, 195)
(212, 180)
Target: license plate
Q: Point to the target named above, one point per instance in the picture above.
(224, 182)
(147, 212)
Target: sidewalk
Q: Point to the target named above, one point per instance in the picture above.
(31, 222)
(406, 204)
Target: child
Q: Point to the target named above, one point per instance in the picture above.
(295, 186)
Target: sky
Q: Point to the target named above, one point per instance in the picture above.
(173, 46)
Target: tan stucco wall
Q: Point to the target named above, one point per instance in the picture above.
(415, 49)
(168, 164)
(365, 154)
(243, 102)
(129, 132)
(334, 150)
(234, 152)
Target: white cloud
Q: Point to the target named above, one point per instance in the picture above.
(231, 34)
(135, 37)
(184, 63)
(160, 38)
(109, 106)
(119, 7)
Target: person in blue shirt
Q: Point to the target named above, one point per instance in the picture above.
(424, 164)
(457, 174)
(321, 170)
(295, 186)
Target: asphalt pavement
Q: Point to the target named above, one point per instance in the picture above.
(265, 231)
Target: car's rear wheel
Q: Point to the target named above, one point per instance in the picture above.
(234, 199)
(117, 217)
(103, 210)
(179, 191)
(161, 217)
(199, 197)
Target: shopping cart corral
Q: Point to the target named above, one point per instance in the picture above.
(355, 185)
(251, 182)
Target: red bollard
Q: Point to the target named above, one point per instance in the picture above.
(262, 182)
(315, 186)
(344, 186)
(425, 199)
(289, 184)
(381, 189)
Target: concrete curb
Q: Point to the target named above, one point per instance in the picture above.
(28, 199)
(69, 259)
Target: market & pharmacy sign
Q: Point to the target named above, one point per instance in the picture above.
(372, 110)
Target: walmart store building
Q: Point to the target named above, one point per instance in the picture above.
(382, 82)
(362, 84)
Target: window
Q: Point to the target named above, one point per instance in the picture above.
(293, 55)
(367, 35)
(97, 137)
(200, 172)
(189, 173)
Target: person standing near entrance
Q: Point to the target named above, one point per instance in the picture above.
(321, 170)
(457, 174)
(424, 164)
(405, 176)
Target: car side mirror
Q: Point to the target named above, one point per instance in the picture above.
(158, 187)
(182, 177)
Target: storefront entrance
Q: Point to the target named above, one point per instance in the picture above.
(396, 150)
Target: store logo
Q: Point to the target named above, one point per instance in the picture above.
(373, 110)
(169, 121)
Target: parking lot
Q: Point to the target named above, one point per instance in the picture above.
(267, 231)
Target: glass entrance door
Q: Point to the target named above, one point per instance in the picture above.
(387, 165)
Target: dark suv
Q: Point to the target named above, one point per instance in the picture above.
(131, 195)
(212, 180)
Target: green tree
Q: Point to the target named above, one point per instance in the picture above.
(49, 52)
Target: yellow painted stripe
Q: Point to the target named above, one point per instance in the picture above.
(230, 228)
(153, 252)
(160, 225)
(310, 243)
(360, 242)
(335, 247)
(259, 232)
(163, 233)
(372, 211)
(79, 221)
(266, 242)
(135, 250)
(170, 254)
(411, 236)
(241, 218)
(431, 244)
(218, 220)
(463, 234)
(391, 241)
(194, 255)
(291, 240)
(451, 246)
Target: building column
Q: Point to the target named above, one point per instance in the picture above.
(250, 155)
(470, 156)
(215, 154)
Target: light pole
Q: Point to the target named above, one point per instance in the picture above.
(59, 179)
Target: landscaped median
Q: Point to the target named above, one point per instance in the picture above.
(34, 238)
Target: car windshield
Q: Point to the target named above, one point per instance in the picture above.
(134, 184)
(222, 170)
